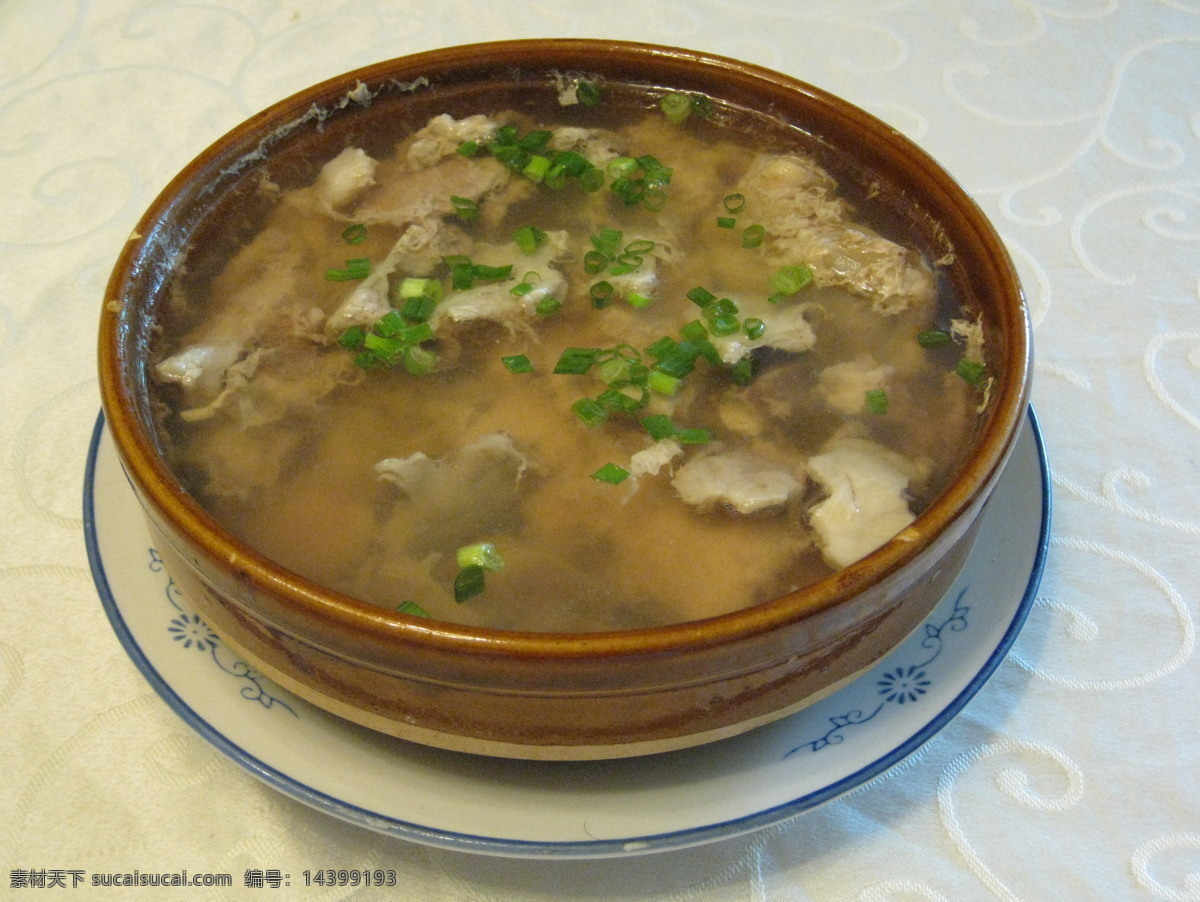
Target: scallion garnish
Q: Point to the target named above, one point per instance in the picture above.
(661, 347)
(601, 294)
(754, 327)
(791, 279)
(726, 222)
(537, 167)
(662, 383)
(934, 338)
(468, 583)
(355, 234)
(481, 554)
(588, 93)
(356, 268)
(734, 203)
(464, 208)
(659, 426)
(701, 296)
(412, 609)
(638, 300)
(693, 436)
(589, 412)
(418, 309)
(529, 238)
(876, 400)
(612, 474)
(517, 363)
(752, 236)
(419, 361)
(676, 107)
(352, 338)
(576, 361)
(971, 371)
(547, 306)
(594, 262)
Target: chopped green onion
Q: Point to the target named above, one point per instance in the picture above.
(726, 222)
(619, 167)
(734, 203)
(618, 398)
(412, 609)
(517, 363)
(877, 401)
(481, 554)
(662, 347)
(357, 268)
(640, 247)
(754, 327)
(676, 107)
(491, 273)
(971, 371)
(589, 412)
(612, 474)
(601, 294)
(791, 279)
(659, 426)
(352, 338)
(462, 276)
(418, 309)
(547, 306)
(355, 234)
(662, 383)
(752, 236)
(724, 324)
(468, 148)
(615, 369)
(723, 307)
(535, 140)
(700, 296)
(934, 338)
(464, 208)
(419, 288)
(607, 241)
(654, 200)
(529, 238)
(576, 361)
(419, 361)
(594, 262)
(588, 93)
(693, 436)
(537, 167)
(702, 106)
(469, 583)
(415, 334)
(638, 300)
(680, 360)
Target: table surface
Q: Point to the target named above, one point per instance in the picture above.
(1073, 774)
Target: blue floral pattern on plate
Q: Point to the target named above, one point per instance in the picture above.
(190, 630)
(902, 684)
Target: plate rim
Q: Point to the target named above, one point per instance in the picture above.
(568, 849)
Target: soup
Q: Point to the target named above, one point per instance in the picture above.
(610, 358)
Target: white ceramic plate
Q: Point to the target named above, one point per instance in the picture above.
(574, 809)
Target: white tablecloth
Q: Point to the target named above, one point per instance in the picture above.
(1075, 772)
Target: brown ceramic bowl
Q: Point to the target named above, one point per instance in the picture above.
(543, 695)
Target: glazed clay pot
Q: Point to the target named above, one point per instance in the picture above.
(543, 695)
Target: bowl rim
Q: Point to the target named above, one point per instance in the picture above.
(341, 613)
